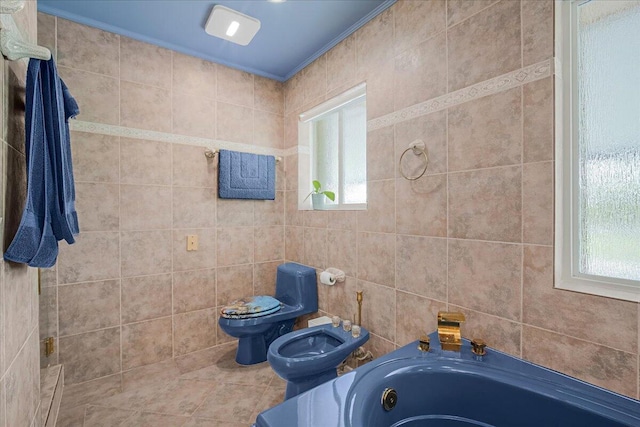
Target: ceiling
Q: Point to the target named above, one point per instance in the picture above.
(292, 34)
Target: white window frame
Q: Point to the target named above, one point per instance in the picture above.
(567, 275)
(306, 168)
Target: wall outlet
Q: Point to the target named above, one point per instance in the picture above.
(192, 242)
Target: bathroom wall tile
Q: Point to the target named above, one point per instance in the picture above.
(490, 41)
(94, 256)
(270, 212)
(486, 204)
(376, 258)
(432, 131)
(48, 313)
(48, 276)
(315, 79)
(194, 207)
(291, 172)
(145, 252)
(583, 316)
(145, 207)
(379, 309)
(19, 313)
(146, 297)
(221, 336)
(90, 355)
(87, 306)
(497, 332)
(415, 316)
(194, 75)
(98, 95)
(315, 247)
(268, 243)
(292, 216)
(146, 342)
(153, 374)
(234, 123)
(538, 126)
(458, 10)
(204, 257)
(537, 31)
(416, 21)
(375, 43)
(341, 64)
(22, 385)
(537, 203)
(81, 394)
(2, 402)
(144, 63)
(268, 95)
(232, 404)
(599, 365)
(294, 244)
(380, 154)
(380, 89)
(235, 212)
(46, 37)
(341, 298)
(235, 245)
(318, 219)
(234, 283)
(290, 131)
(145, 162)
(264, 277)
(95, 157)
(144, 107)
(192, 169)
(380, 213)
(411, 83)
(194, 290)
(195, 330)
(341, 250)
(379, 346)
(235, 86)
(421, 266)
(486, 277)
(193, 115)
(421, 206)
(486, 132)
(98, 206)
(342, 220)
(71, 416)
(87, 48)
(293, 94)
(268, 129)
(14, 120)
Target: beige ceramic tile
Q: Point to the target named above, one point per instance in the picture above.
(235, 86)
(458, 10)
(224, 369)
(204, 257)
(80, 394)
(416, 21)
(146, 342)
(268, 95)
(290, 131)
(268, 129)
(71, 417)
(412, 84)
(192, 169)
(48, 314)
(146, 297)
(264, 277)
(234, 283)
(380, 213)
(374, 42)
(415, 316)
(293, 94)
(583, 316)
(486, 204)
(234, 123)
(317, 219)
(380, 89)
(90, 355)
(233, 404)
(538, 126)
(19, 314)
(484, 46)
(340, 299)
(379, 346)
(498, 333)
(421, 266)
(341, 250)
(486, 132)
(195, 330)
(235, 245)
(148, 419)
(269, 212)
(145, 207)
(294, 244)
(145, 252)
(537, 30)
(486, 277)
(87, 306)
(97, 95)
(47, 32)
(380, 150)
(22, 385)
(194, 290)
(14, 121)
(193, 115)
(95, 157)
(94, 256)
(292, 216)
(150, 375)
(602, 366)
(145, 162)
(537, 203)
(145, 63)
(421, 206)
(432, 131)
(134, 398)
(269, 243)
(194, 207)
(315, 247)
(315, 79)
(87, 48)
(342, 220)
(105, 417)
(145, 107)
(376, 258)
(341, 64)
(235, 212)
(194, 75)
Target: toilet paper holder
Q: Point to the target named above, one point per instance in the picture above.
(337, 275)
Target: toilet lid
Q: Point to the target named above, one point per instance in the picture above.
(251, 307)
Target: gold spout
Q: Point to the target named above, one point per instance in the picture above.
(449, 330)
(359, 299)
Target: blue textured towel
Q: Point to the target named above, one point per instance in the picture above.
(246, 176)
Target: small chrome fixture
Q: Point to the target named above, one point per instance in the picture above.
(478, 348)
(389, 399)
(231, 25)
(449, 330)
(424, 344)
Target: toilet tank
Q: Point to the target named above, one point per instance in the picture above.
(296, 285)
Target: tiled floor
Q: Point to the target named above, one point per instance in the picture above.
(222, 394)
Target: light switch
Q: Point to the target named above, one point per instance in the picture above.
(192, 242)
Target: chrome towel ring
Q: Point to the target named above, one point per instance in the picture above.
(419, 149)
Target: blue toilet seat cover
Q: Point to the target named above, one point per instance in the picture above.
(251, 307)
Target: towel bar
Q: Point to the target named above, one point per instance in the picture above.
(210, 154)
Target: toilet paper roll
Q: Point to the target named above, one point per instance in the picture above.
(327, 278)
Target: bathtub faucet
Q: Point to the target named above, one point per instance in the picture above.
(449, 330)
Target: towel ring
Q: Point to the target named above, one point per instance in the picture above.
(418, 149)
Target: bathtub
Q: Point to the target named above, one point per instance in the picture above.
(449, 389)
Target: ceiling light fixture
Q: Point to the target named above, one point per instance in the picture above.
(231, 25)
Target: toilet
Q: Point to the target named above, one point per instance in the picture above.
(309, 357)
(257, 321)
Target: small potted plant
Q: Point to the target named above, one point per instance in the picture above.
(317, 196)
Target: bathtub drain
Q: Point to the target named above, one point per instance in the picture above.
(389, 399)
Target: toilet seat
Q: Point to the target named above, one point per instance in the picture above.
(256, 306)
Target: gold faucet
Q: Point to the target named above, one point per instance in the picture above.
(449, 330)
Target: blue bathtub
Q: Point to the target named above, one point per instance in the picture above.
(448, 389)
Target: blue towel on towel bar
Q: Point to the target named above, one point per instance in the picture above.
(246, 176)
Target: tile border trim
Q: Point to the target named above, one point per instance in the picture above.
(492, 86)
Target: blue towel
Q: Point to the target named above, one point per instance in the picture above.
(246, 176)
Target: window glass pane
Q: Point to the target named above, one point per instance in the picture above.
(326, 142)
(355, 148)
(609, 138)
